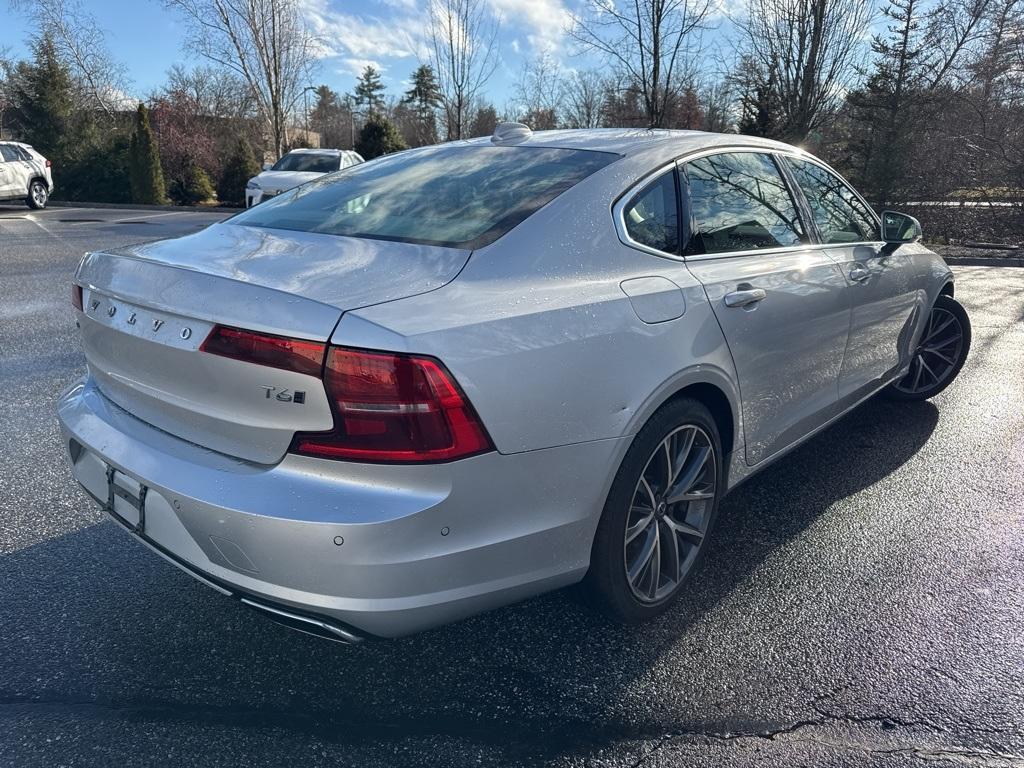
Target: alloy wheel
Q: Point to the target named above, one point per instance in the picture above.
(936, 356)
(669, 513)
(39, 194)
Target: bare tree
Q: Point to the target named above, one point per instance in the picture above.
(809, 50)
(264, 42)
(540, 92)
(584, 99)
(81, 44)
(463, 52)
(215, 91)
(652, 42)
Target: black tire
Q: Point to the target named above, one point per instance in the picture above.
(38, 194)
(911, 389)
(606, 585)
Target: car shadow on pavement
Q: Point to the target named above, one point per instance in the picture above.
(91, 619)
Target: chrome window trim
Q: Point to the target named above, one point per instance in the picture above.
(619, 207)
(809, 247)
(627, 197)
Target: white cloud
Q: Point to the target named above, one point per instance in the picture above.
(355, 67)
(545, 20)
(342, 34)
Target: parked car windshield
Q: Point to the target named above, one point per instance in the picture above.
(458, 196)
(307, 162)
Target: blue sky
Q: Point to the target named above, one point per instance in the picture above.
(148, 39)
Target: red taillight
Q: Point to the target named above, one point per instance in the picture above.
(76, 297)
(49, 164)
(394, 408)
(264, 349)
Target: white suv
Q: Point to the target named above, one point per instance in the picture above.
(295, 168)
(24, 175)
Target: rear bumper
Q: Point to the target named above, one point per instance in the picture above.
(372, 549)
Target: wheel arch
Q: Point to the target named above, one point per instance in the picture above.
(947, 289)
(38, 177)
(709, 386)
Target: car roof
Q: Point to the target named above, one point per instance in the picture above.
(630, 141)
(316, 151)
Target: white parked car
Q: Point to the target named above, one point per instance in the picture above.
(24, 175)
(295, 168)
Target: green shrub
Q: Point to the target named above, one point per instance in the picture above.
(101, 175)
(240, 167)
(379, 137)
(195, 188)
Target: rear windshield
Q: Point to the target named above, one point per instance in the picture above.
(307, 162)
(456, 196)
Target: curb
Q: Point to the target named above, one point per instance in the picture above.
(143, 207)
(981, 261)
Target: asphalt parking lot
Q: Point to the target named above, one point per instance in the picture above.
(862, 603)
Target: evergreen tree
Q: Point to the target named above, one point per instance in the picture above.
(893, 100)
(379, 137)
(240, 167)
(43, 101)
(326, 117)
(369, 89)
(761, 109)
(197, 187)
(484, 121)
(147, 177)
(423, 99)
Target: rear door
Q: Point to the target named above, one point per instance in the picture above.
(9, 173)
(779, 300)
(882, 288)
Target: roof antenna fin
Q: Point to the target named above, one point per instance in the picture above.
(510, 133)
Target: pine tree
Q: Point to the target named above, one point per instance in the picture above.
(240, 167)
(759, 102)
(379, 137)
(369, 89)
(147, 177)
(43, 102)
(424, 98)
(890, 105)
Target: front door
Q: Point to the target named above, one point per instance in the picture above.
(780, 301)
(882, 289)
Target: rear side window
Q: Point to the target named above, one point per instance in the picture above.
(652, 217)
(840, 215)
(459, 196)
(740, 202)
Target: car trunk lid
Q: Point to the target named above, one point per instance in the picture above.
(147, 310)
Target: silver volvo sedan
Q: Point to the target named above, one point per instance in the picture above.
(454, 377)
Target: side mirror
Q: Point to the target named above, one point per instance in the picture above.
(267, 166)
(898, 228)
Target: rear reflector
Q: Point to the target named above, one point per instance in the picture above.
(76, 297)
(264, 349)
(394, 408)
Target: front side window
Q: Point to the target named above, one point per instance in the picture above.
(307, 162)
(740, 202)
(840, 215)
(450, 195)
(7, 154)
(652, 217)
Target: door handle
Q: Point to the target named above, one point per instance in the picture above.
(745, 297)
(859, 273)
